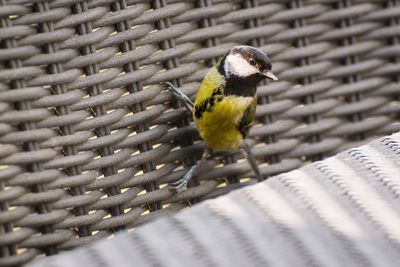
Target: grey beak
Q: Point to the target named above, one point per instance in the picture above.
(270, 75)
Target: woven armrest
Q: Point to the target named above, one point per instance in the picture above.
(342, 211)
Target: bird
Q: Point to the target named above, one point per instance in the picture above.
(225, 105)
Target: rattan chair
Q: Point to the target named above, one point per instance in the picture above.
(341, 211)
(89, 137)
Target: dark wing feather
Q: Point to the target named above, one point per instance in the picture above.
(247, 119)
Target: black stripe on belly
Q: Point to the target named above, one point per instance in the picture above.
(208, 103)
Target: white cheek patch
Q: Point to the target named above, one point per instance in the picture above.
(235, 64)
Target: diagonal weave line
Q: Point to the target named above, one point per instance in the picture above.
(329, 213)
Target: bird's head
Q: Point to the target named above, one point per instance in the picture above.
(247, 62)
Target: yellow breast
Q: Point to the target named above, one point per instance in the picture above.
(219, 127)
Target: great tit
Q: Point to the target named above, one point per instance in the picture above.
(225, 104)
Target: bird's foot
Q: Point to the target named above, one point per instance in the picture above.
(251, 159)
(181, 96)
(181, 184)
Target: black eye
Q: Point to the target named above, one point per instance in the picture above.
(252, 62)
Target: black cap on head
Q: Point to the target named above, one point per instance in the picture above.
(250, 53)
(247, 61)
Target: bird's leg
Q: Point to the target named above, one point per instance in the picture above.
(252, 160)
(181, 184)
(181, 96)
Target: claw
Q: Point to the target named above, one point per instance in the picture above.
(181, 184)
(181, 96)
(178, 186)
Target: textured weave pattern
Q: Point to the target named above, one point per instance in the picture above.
(89, 137)
(342, 211)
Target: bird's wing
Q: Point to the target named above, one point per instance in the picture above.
(247, 119)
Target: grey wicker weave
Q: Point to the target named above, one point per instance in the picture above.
(342, 211)
(89, 138)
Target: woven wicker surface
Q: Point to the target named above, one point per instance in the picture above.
(89, 137)
(342, 211)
